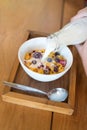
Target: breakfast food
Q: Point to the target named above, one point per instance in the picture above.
(54, 63)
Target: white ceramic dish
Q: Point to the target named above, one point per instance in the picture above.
(40, 43)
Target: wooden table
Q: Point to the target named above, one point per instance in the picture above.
(16, 117)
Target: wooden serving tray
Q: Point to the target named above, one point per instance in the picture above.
(68, 81)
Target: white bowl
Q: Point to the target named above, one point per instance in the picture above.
(40, 43)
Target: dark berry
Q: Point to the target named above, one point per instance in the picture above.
(57, 59)
(47, 67)
(37, 55)
(46, 71)
(55, 68)
(34, 61)
(49, 59)
(41, 66)
(57, 53)
(63, 62)
(38, 67)
(33, 50)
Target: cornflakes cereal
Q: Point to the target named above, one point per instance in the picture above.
(54, 64)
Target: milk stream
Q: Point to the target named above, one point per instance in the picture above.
(73, 33)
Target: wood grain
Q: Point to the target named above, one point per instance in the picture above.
(16, 17)
(38, 103)
(22, 118)
(44, 16)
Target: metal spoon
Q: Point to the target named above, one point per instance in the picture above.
(56, 94)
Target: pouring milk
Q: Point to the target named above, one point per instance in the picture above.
(73, 33)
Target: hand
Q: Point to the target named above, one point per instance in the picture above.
(80, 14)
(82, 49)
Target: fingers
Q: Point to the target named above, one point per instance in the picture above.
(83, 10)
(80, 47)
(80, 14)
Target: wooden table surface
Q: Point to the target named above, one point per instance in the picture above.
(16, 117)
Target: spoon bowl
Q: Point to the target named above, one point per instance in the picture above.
(56, 94)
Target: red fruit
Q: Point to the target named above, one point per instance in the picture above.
(63, 62)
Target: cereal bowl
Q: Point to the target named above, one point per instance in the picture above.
(41, 43)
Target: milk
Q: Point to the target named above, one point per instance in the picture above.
(73, 33)
(51, 46)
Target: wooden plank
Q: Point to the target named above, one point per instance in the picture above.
(38, 103)
(23, 118)
(72, 86)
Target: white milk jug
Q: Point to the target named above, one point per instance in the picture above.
(73, 33)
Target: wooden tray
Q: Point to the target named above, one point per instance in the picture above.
(68, 81)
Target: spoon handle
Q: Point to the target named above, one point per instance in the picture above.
(23, 87)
